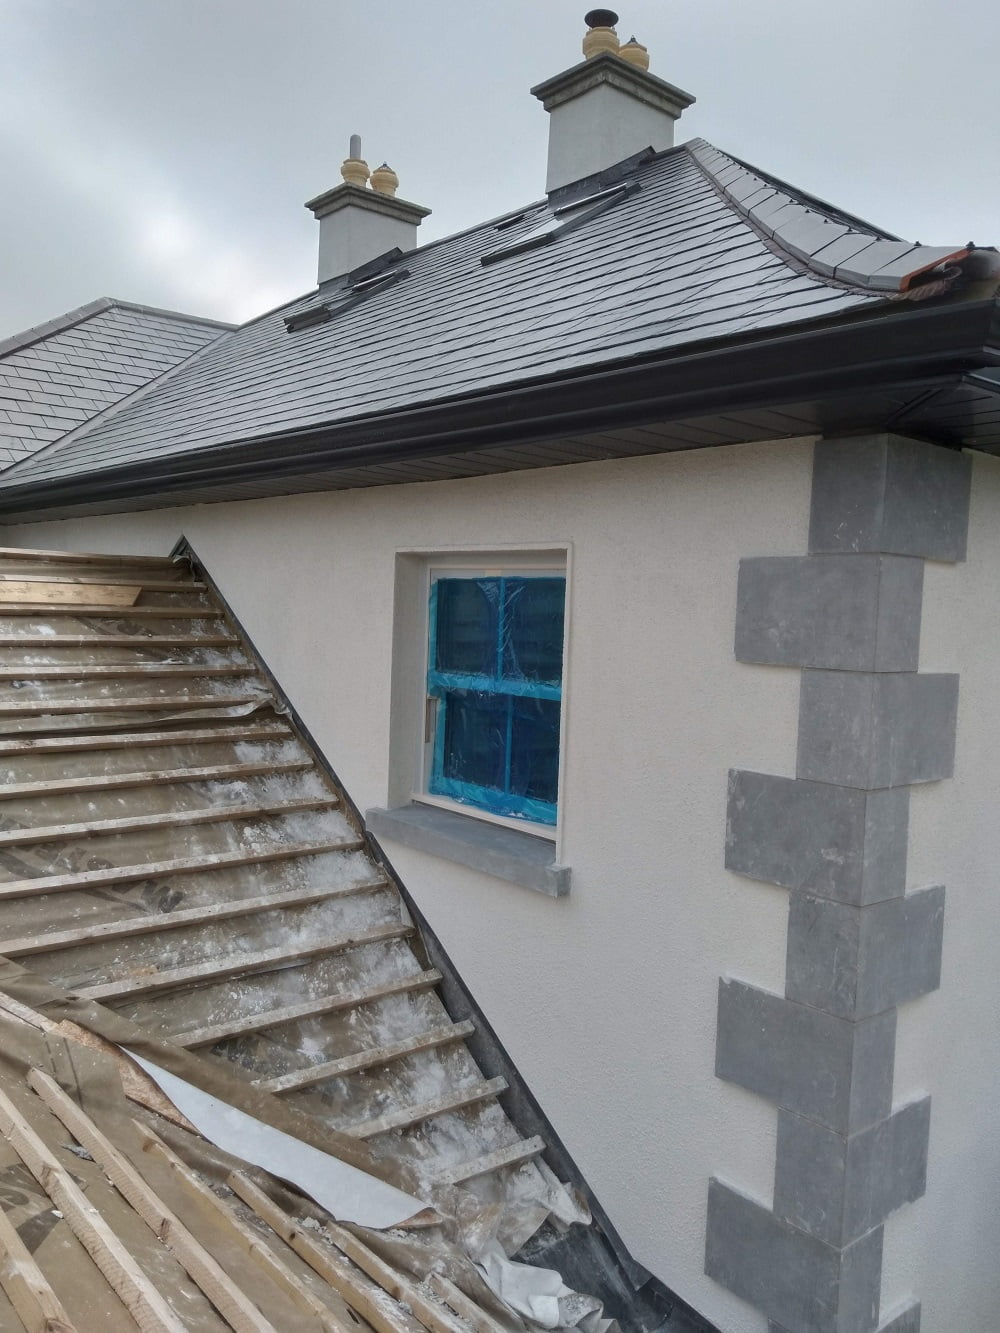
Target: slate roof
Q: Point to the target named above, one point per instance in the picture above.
(700, 251)
(62, 373)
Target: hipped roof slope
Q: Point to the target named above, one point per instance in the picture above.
(695, 250)
(59, 374)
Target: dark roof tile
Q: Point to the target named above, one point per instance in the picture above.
(706, 248)
(59, 375)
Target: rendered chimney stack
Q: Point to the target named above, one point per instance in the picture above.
(362, 219)
(608, 107)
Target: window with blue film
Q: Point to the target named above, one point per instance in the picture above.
(495, 670)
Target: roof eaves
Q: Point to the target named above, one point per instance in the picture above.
(885, 345)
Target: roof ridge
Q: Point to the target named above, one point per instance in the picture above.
(839, 249)
(169, 314)
(58, 324)
(16, 342)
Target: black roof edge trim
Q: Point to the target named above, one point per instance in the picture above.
(832, 359)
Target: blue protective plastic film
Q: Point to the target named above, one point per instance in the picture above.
(496, 646)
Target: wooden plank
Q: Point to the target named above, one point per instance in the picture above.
(413, 1115)
(216, 1284)
(219, 814)
(123, 670)
(140, 740)
(464, 1306)
(361, 1060)
(91, 879)
(92, 558)
(170, 703)
(138, 1294)
(88, 581)
(25, 1013)
(223, 1219)
(150, 778)
(65, 594)
(99, 609)
(232, 965)
(513, 1155)
(117, 640)
(291, 1013)
(395, 1284)
(152, 923)
(26, 1286)
(358, 1290)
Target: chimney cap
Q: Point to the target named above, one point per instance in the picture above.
(600, 18)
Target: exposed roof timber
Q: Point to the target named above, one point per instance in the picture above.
(915, 349)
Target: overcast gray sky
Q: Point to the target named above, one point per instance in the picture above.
(161, 150)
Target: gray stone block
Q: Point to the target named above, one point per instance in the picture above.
(799, 1282)
(832, 1071)
(506, 853)
(891, 494)
(863, 729)
(836, 842)
(838, 1188)
(846, 613)
(903, 1321)
(857, 961)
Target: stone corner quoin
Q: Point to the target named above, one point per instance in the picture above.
(847, 615)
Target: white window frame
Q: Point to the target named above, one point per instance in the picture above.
(409, 745)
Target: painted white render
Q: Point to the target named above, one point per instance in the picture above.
(606, 999)
(603, 126)
(351, 237)
(948, 1043)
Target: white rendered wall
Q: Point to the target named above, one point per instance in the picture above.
(599, 128)
(945, 1248)
(606, 1000)
(352, 236)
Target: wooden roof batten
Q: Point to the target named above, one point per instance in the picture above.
(211, 883)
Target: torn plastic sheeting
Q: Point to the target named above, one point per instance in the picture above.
(348, 1194)
(539, 1294)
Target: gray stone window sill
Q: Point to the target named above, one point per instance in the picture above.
(503, 852)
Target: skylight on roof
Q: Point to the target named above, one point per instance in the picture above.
(565, 218)
(320, 314)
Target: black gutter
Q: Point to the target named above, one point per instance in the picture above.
(877, 351)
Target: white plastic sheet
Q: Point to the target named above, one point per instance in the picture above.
(348, 1194)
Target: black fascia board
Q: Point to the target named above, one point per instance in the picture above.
(878, 350)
